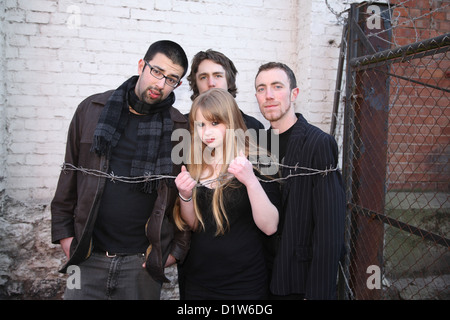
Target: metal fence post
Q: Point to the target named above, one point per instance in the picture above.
(370, 104)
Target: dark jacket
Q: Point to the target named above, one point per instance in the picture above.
(312, 239)
(252, 122)
(75, 204)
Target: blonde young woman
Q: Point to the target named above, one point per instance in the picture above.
(226, 206)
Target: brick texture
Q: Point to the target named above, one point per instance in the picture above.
(419, 118)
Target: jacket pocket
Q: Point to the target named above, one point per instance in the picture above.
(303, 253)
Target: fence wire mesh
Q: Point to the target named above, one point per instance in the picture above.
(393, 124)
(418, 174)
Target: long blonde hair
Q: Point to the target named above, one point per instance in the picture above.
(216, 105)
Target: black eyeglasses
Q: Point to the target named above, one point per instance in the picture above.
(173, 82)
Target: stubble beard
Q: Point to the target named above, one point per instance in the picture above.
(277, 115)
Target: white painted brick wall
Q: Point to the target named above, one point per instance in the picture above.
(3, 136)
(319, 39)
(56, 53)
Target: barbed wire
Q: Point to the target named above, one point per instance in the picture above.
(411, 20)
(223, 177)
(341, 19)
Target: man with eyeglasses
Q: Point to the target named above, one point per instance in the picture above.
(118, 235)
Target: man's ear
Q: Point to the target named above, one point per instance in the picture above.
(141, 66)
(294, 93)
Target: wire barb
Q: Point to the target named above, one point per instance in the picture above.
(220, 179)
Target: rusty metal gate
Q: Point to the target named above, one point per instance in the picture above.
(391, 115)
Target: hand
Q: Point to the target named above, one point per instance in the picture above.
(170, 261)
(242, 169)
(185, 183)
(65, 244)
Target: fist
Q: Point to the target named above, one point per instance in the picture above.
(185, 183)
(242, 169)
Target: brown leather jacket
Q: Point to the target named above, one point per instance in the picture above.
(75, 204)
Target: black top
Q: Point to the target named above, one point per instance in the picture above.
(283, 139)
(124, 210)
(229, 266)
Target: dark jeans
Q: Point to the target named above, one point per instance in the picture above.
(116, 278)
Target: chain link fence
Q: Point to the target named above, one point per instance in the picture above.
(392, 116)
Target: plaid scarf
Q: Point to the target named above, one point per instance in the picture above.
(154, 145)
